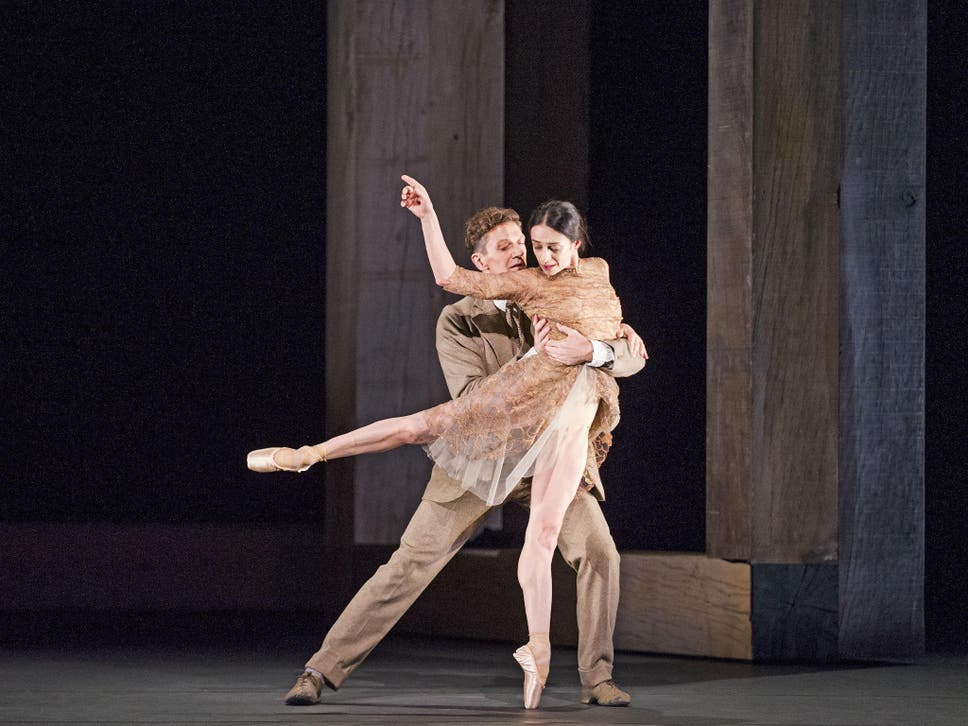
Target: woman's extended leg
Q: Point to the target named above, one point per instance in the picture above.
(389, 433)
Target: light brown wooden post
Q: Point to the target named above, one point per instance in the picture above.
(414, 87)
(775, 129)
(774, 238)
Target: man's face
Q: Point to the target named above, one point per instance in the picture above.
(501, 249)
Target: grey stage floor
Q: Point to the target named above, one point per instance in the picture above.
(418, 681)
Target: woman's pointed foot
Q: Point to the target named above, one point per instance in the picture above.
(534, 682)
(282, 458)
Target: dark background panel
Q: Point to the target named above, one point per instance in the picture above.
(647, 214)
(946, 380)
(163, 268)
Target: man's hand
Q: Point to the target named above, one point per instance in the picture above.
(572, 350)
(636, 345)
(415, 198)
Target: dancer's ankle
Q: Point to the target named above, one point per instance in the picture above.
(540, 646)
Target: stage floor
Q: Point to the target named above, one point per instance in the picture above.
(420, 681)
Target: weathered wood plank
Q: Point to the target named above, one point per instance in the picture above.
(415, 87)
(729, 262)
(680, 603)
(794, 613)
(882, 331)
(797, 132)
(773, 280)
(686, 604)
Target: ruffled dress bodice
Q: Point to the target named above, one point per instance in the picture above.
(492, 437)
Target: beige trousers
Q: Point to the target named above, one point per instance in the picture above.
(435, 533)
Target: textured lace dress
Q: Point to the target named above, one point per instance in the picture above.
(519, 417)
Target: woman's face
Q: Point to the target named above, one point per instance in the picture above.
(553, 250)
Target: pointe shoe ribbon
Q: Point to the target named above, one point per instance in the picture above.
(263, 461)
(533, 683)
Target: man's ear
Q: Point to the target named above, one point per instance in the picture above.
(478, 261)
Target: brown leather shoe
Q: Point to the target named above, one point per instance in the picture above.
(605, 693)
(306, 691)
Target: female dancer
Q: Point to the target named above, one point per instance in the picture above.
(535, 417)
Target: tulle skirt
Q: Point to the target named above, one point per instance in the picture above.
(519, 419)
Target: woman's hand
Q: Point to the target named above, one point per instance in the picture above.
(636, 346)
(542, 331)
(415, 198)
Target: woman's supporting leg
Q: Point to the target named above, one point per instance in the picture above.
(553, 487)
(383, 435)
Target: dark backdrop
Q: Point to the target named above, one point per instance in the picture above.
(647, 215)
(162, 264)
(164, 173)
(946, 405)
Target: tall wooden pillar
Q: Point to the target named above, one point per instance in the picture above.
(881, 453)
(814, 377)
(414, 87)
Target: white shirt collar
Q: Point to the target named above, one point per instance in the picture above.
(501, 305)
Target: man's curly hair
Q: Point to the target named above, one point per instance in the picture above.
(483, 221)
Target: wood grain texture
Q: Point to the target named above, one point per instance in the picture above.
(729, 319)
(794, 613)
(679, 603)
(796, 269)
(686, 604)
(415, 87)
(773, 280)
(882, 331)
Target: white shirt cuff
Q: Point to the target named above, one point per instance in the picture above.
(602, 354)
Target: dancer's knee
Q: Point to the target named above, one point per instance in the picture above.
(543, 537)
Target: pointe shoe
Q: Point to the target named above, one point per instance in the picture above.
(533, 683)
(263, 461)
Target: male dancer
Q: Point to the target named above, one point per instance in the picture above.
(474, 339)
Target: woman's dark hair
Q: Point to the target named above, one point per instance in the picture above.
(562, 217)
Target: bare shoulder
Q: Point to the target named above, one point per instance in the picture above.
(597, 264)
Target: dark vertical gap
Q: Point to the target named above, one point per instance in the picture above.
(946, 384)
(647, 213)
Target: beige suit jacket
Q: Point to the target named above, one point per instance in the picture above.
(474, 341)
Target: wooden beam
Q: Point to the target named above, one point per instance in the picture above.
(729, 312)
(816, 323)
(687, 604)
(414, 87)
(882, 331)
(680, 603)
(775, 127)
